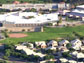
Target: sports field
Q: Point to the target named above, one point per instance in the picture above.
(17, 35)
(48, 34)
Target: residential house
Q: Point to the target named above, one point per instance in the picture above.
(30, 45)
(51, 48)
(42, 44)
(65, 11)
(48, 60)
(28, 51)
(72, 61)
(52, 43)
(78, 54)
(82, 42)
(63, 43)
(43, 61)
(82, 48)
(76, 44)
(63, 60)
(62, 49)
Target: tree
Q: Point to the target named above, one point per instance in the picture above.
(60, 20)
(33, 10)
(48, 57)
(2, 61)
(7, 52)
(5, 33)
(71, 1)
(49, 51)
(66, 54)
(69, 45)
(50, 62)
(35, 58)
(50, 1)
(28, 45)
(71, 49)
(5, 57)
(67, 18)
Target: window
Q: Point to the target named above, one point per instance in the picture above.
(23, 30)
(28, 30)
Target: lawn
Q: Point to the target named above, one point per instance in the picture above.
(48, 34)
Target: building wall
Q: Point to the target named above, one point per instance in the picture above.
(36, 6)
(21, 28)
(8, 25)
(24, 6)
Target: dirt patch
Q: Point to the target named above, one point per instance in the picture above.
(17, 35)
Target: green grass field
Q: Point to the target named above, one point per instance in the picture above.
(48, 34)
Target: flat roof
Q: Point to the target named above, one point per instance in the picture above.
(18, 17)
(75, 14)
(81, 6)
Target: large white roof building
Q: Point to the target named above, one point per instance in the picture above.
(22, 18)
(28, 21)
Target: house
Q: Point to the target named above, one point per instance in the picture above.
(72, 61)
(42, 44)
(51, 48)
(63, 60)
(62, 49)
(28, 51)
(48, 60)
(82, 48)
(30, 45)
(76, 44)
(39, 43)
(52, 43)
(63, 43)
(65, 11)
(78, 54)
(63, 5)
(82, 42)
(43, 61)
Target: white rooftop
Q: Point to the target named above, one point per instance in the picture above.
(81, 6)
(78, 54)
(78, 10)
(75, 41)
(63, 41)
(22, 17)
(28, 51)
